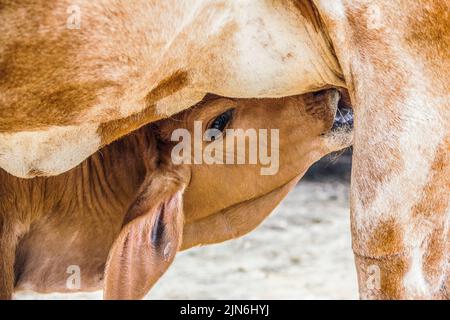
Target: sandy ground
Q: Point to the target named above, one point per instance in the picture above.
(302, 251)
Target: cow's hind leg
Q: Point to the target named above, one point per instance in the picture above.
(400, 204)
(394, 61)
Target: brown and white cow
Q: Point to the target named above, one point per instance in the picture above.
(75, 219)
(74, 78)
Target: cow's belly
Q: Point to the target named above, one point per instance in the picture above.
(48, 152)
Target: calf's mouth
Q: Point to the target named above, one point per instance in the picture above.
(343, 118)
(333, 106)
(339, 134)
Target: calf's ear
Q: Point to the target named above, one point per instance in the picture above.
(149, 239)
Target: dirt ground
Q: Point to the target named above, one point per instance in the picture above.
(302, 251)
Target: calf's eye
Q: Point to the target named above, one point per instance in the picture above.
(218, 125)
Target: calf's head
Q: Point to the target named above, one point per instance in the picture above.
(222, 167)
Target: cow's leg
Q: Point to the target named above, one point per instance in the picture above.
(400, 179)
(400, 201)
(395, 67)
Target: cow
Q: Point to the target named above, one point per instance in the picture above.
(80, 76)
(133, 205)
(75, 78)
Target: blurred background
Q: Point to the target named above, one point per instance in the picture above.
(302, 251)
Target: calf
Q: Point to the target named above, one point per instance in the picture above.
(135, 203)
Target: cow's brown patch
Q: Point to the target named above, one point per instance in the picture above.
(40, 88)
(386, 239)
(392, 273)
(436, 253)
(112, 130)
(433, 207)
(428, 30)
(436, 193)
(381, 278)
(428, 36)
(173, 83)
